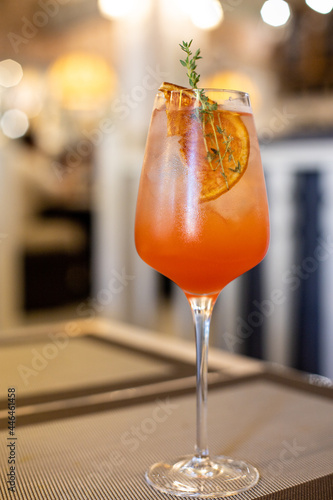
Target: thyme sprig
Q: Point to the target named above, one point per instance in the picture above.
(190, 64)
(205, 112)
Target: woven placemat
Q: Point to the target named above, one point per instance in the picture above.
(285, 432)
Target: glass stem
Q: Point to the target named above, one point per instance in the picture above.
(202, 308)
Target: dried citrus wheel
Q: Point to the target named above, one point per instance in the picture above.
(184, 99)
(214, 143)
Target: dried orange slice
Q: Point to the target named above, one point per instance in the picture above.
(215, 146)
(178, 121)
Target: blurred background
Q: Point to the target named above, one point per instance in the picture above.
(77, 82)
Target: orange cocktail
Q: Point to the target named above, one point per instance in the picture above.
(197, 223)
(202, 220)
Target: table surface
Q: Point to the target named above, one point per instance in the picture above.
(87, 393)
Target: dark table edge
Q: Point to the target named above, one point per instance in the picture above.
(180, 369)
(292, 381)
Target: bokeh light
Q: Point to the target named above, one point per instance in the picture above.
(235, 80)
(206, 14)
(275, 12)
(28, 95)
(14, 123)
(116, 9)
(11, 73)
(82, 81)
(322, 6)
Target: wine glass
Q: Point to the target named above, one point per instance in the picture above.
(202, 220)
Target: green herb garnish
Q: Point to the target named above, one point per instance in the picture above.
(205, 112)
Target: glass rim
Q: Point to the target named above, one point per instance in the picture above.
(240, 93)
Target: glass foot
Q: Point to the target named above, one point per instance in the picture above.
(203, 477)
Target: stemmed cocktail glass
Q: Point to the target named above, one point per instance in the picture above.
(202, 220)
